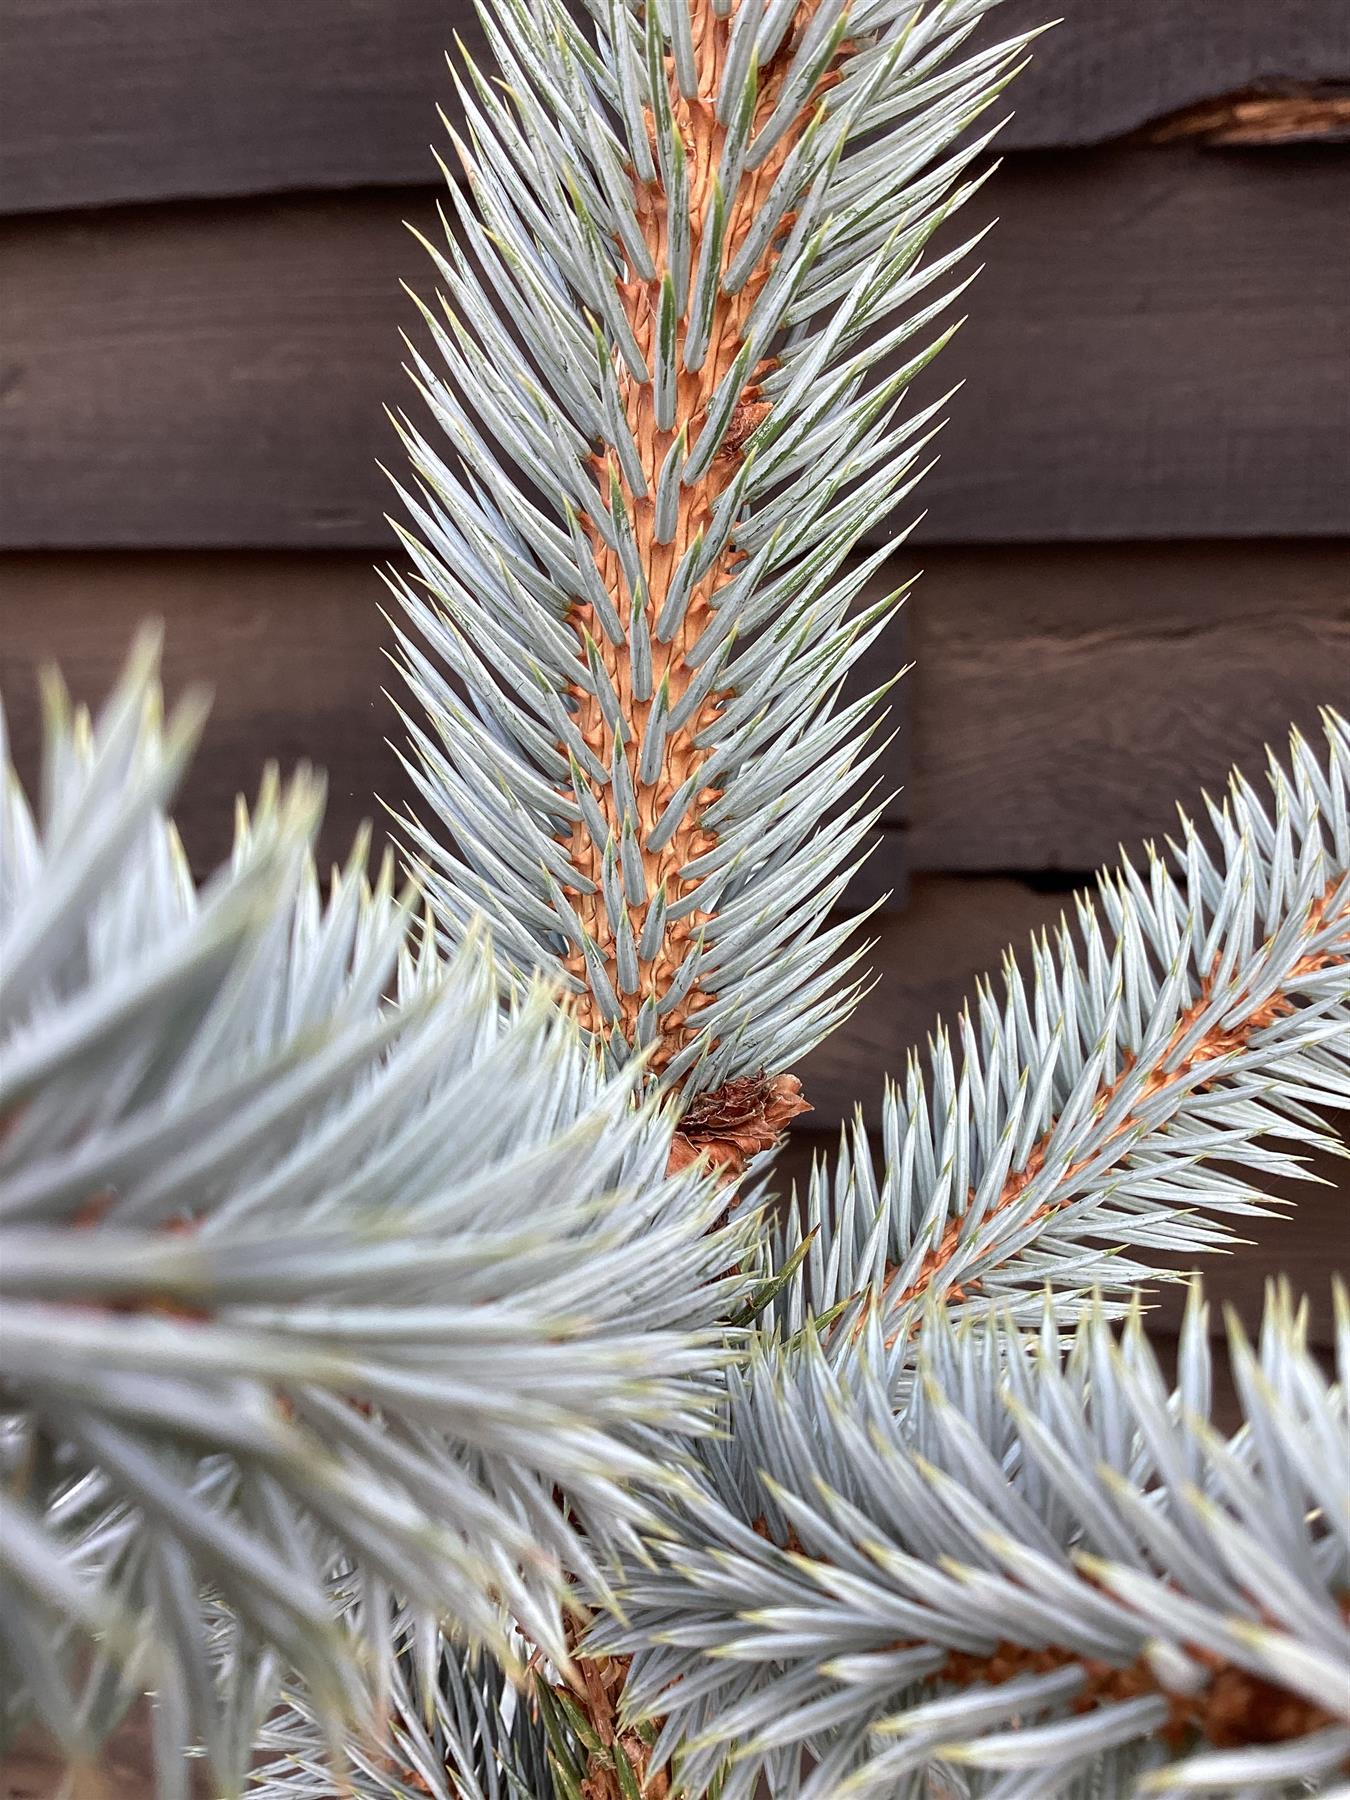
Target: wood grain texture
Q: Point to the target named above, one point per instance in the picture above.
(212, 377)
(1310, 115)
(1113, 66)
(1064, 698)
(1157, 350)
(290, 647)
(117, 100)
(107, 101)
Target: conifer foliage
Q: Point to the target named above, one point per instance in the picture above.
(1027, 1568)
(321, 1274)
(684, 295)
(1163, 1059)
(407, 1381)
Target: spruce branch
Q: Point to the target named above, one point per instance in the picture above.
(1178, 1046)
(322, 1275)
(1027, 1569)
(689, 237)
(457, 1730)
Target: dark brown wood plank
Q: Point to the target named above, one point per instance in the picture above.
(1115, 66)
(107, 101)
(213, 377)
(1063, 699)
(121, 100)
(1157, 350)
(290, 647)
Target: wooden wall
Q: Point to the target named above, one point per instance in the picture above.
(1134, 554)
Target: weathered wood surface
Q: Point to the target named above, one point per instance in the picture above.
(1157, 351)
(210, 377)
(152, 100)
(290, 647)
(1063, 699)
(1061, 702)
(1115, 66)
(132, 100)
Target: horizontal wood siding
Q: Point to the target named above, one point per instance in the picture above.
(289, 647)
(1113, 67)
(1157, 350)
(128, 100)
(1062, 698)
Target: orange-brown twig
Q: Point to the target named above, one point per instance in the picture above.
(1167, 1071)
(696, 122)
